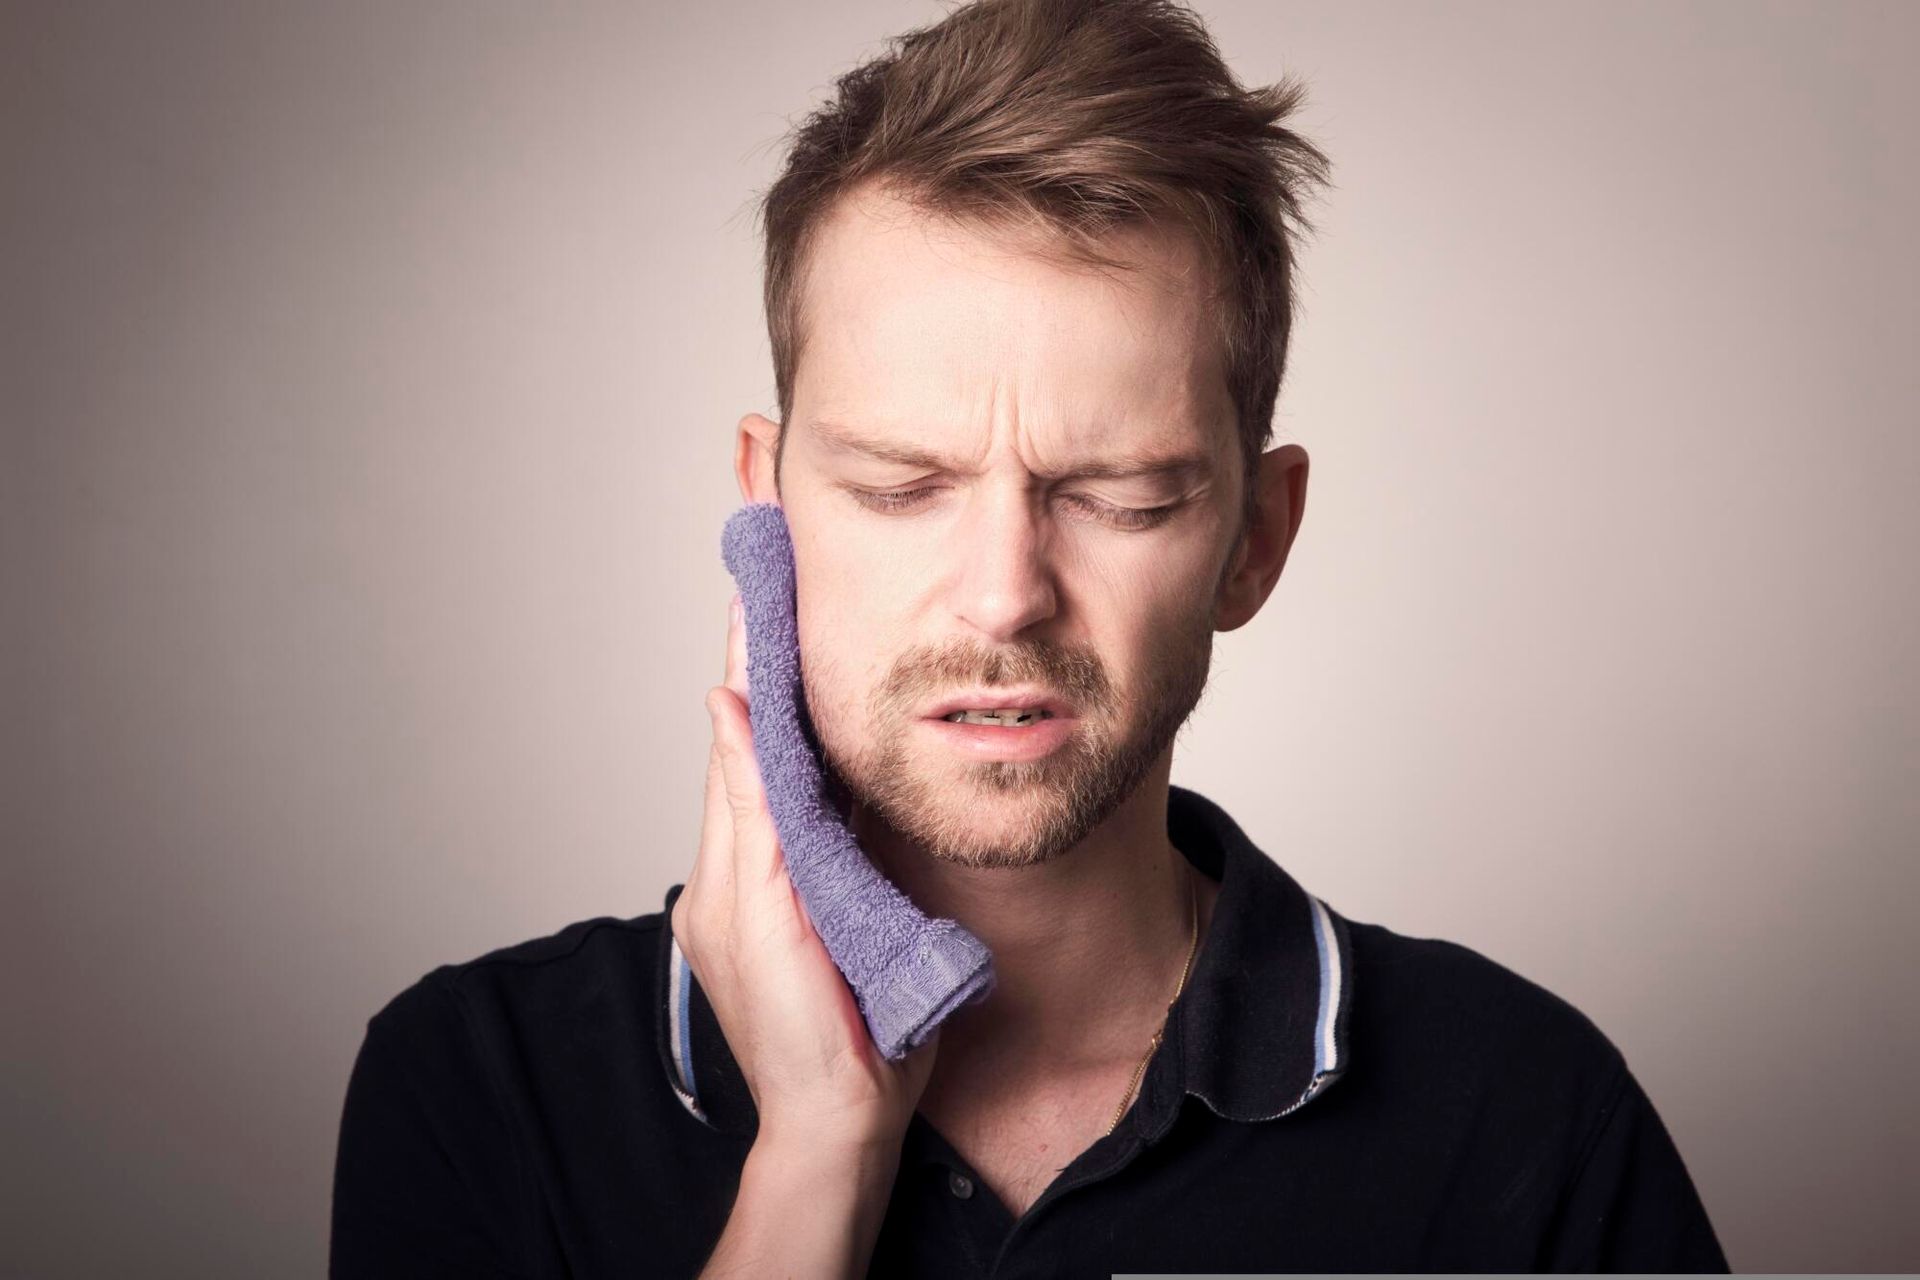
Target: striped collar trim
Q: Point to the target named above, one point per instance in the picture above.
(1261, 1030)
(679, 1029)
(1263, 1027)
(699, 1066)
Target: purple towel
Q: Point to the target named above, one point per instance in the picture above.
(907, 972)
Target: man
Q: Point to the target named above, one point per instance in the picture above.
(1029, 282)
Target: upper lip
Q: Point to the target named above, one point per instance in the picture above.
(981, 700)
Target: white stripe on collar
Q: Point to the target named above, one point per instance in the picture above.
(1328, 1053)
(679, 1031)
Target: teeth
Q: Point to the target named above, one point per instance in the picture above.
(1004, 716)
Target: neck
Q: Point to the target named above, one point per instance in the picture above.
(1088, 947)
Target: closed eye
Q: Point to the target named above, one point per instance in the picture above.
(1130, 518)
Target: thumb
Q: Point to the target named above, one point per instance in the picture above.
(917, 1069)
(740, 771)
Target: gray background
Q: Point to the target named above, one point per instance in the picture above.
(370, 378)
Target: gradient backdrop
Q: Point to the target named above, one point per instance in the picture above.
(370, 378)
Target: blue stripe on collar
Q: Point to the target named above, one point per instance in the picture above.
(1329, 1057)
(680, 1031)
(1264, 1019)
(694, 1055)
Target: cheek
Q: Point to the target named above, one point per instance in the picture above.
(1139, 600)
(855, 602)
(1161, 639)
(1145, 573)
(842, 662)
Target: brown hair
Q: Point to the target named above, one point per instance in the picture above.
(1077, 117)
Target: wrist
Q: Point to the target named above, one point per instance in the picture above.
(840, 1150)
(840, 1181)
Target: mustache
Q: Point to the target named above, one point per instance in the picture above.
(1076, 674)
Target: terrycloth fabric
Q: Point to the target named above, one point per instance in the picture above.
(907, 972)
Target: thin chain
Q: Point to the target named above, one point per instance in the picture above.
(1193, 900)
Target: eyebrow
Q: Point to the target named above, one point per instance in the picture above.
(1126, 466)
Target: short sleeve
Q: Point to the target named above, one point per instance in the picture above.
(1631, 1205)
(425, 1174)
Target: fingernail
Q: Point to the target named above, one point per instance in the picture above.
(734, 610)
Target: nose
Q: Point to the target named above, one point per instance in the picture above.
(1005, 582)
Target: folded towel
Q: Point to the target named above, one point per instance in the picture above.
(907, 972)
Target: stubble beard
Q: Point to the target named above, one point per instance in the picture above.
(998, 813)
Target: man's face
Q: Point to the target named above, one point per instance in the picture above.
(1002, 565)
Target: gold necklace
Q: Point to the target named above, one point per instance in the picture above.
(1193, 899)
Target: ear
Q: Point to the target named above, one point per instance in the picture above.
(754, 456)
(1280, 495)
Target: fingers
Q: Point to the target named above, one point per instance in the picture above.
(736, 677)
(715, 860)
(755, 843)
(716, 833)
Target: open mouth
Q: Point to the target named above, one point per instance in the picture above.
(1004, 734)
(1006, 718)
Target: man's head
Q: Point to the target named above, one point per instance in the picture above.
(1028, 286)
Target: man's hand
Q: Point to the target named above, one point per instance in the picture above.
(789, 1017)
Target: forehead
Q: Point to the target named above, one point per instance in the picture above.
(919, 323)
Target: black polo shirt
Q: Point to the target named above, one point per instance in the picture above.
(1329, 1096)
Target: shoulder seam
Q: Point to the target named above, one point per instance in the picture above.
(528, 1181)
(1612, 1110)
(637, 925)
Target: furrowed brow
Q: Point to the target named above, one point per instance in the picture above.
(1130, 466)
(848, 440)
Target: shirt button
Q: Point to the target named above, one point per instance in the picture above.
(960, 1184)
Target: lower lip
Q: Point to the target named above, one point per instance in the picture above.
(1004, 742)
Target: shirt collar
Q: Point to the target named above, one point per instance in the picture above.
(1260, 1030)
(1263, 1027)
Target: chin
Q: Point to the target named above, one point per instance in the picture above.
(995, 796)
(969, 814)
